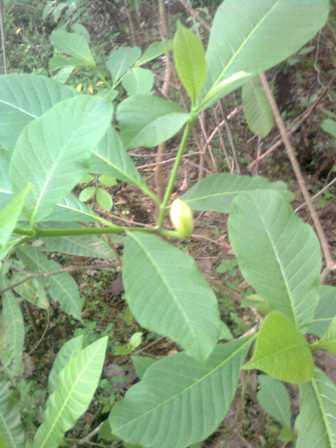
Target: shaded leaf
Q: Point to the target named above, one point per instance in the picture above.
(138, 81)
(74, 390)
(257, 110)
(74, 45)
(70, 349)
(181, 397)
(11, 430)
(316, 422)
(277, 253)
(168, 294)
(121, 60)
(275, 400)
(149, 120)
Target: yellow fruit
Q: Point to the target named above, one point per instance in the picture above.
(181, 217)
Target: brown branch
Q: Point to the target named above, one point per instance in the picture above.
(159, 180)
(194, 14)
(292, 130)
(330, 263)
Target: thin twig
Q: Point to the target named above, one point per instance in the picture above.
(317, 194)
(195, 15)
(330, 263)
(32, 275)
(2, 35)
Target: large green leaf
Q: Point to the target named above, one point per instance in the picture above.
(274, 398)
(11, 430)
(325, 311)
(277, 253)
(189, 57)
(180, 401)
(316, 422)
(12, 333)
(167, 294)
(80, 246)
(70, 349)
(74, 45)
(112, 159)
(5, 185)
(121, 60)
(147, 120)
(217, 191)
(257, 110)
(52, 151)
(74, 390)
(252, 36)
(282, 351)
(24, 98)
(61, 287)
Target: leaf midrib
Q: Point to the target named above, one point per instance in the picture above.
(322, 410)
(19, 109)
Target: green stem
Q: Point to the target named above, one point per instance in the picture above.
(79, 231)
(173, 173)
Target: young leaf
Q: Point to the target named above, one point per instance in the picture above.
(189, 57)
(180, 401)
(37, 95)
(10, 214)
(154, 50)
(282, 351)
(87, 194)
(316, 422)
(52, 150)
(121, 60)
(325, 311)
(237, 40)
(61, 287)
(12, 333)
(79, 246)
(149, 120)
(104, 199)
(138, 81)
(11, 430)
(257, 110)
(75, 387)
(274, 398)
(328, 342)
(217, 191)
(277, 253)
(74, 45)
(167, 294)
(70, 349)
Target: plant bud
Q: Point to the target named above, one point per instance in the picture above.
(182, 218)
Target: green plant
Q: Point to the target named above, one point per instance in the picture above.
(52, 136)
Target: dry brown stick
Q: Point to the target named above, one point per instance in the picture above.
(222, 144)
(130, 23)
(159, 181)
(291, 131)
(330, 263)
(318, 194)
(166, 162)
